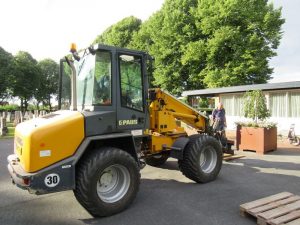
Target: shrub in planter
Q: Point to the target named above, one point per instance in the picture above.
(257, 135)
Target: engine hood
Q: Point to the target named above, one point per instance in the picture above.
(46, 140)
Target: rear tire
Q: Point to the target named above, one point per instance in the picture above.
(296, 141)
(202, 159)
(157, 160)
(107, 181)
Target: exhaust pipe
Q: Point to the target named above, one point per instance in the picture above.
(73, 106)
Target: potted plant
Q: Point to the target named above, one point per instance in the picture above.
(258, 134)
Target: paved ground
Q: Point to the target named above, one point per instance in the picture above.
(165, 196)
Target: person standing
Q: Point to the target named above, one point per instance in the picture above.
(219, 118)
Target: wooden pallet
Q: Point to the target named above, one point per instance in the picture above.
(228, 157)
(282, 208)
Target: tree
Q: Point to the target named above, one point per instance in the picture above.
(240, 38)
(146, 37)
(26, 79)
(65, 97)
(120, 34)
(169, 31)
(198, 44)
(255, 106)
(6, 72)
(48, 81)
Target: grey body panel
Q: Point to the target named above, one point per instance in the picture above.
(63, 169)
(99, 122)
(114, 136)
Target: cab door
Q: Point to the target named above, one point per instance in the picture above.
(132, 109)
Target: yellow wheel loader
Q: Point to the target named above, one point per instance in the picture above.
(110, 124)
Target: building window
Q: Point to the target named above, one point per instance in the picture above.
(294, 104)
(228, 102)
(278, 104)
(238, 105)
(233, 104)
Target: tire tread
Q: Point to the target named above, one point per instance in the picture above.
(87, 167)
(189, 166)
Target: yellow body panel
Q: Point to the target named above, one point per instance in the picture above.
(166, 112)
(166, 109)
(157, 142)
(161, 142)
(44, 141)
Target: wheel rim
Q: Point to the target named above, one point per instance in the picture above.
(208, 159)
(113, 183)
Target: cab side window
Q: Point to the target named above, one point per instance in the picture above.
(102, 82)
(131, 81)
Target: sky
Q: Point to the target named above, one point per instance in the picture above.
(46, 28)
(287, 62)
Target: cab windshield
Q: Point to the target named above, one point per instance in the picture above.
(93, 81)
(85, 70)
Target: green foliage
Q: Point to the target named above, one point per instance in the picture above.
(131, 81)
(6, 72)
(260, 124)
(184, 100)
(165, 36)
(131, 74)
(120, 34)
(66, 86)
(198, 44)
(35, 107)
(255, 106)
(21, 76)
(26, 78)
(241, 37)
(9, 108)
(48, 81)
(203, 103)
(103, 65)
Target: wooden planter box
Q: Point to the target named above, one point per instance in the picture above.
(260, 140)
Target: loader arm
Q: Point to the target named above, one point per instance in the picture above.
(166, 115)
(166, 110)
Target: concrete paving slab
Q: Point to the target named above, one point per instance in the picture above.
(165, 196)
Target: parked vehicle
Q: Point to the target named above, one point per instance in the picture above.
(97, 146)
(293, 139)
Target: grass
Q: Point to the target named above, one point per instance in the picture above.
(11, 131)
(10, 124)
(6, 137)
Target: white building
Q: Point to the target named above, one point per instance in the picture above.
(283, 101)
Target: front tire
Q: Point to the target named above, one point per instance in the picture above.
(107, 181)
(202, 159)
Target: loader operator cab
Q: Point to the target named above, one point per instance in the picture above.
(111, 84)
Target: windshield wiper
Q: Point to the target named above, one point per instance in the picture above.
(80, 66)
(83, 61)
